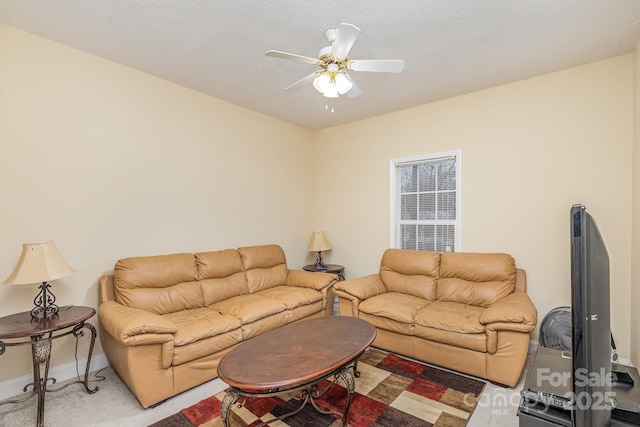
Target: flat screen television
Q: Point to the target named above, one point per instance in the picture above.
(590, 316)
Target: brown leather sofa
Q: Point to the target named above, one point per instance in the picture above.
(464, 311)
(166, 321)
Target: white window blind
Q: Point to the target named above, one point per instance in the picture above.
(425, 205)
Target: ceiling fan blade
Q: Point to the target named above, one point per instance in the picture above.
(380, 66)
(300, 83)
(346, 37)
(291, 57)
(355, 90)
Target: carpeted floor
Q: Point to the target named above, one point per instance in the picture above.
(391, 391)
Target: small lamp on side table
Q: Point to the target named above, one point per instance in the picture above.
(40, 263)
(318, 244)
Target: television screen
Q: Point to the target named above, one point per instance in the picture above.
(591, 332)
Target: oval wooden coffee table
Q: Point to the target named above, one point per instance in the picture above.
(295, 358)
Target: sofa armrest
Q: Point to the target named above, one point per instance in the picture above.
(361, 288)
(105, 288)
(514, 312)
(132, 326)
(310, 279)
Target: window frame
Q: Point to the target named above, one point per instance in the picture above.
(394, 191)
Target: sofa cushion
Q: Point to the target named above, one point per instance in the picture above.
(249, 308)
(160, 284)
(265, 266)
(410, 272)
(292, 297)
(197, 324)
(478, 279)
(315, 309)
(206, 347)
(221, 274)
(269, 323)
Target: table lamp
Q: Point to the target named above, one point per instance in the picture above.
(318, 244)
(39, 263)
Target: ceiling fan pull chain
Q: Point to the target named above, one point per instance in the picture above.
(326, 105)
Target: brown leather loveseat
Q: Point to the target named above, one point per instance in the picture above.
(464, 311)
(166, 321)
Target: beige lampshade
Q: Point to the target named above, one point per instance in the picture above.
(319, 242)
(40, 262)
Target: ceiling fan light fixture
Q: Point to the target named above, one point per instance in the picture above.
(332, 83)
(343, 84)
(332, 92)
(322, 83)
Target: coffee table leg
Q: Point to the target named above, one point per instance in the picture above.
(229, 399)
(350, 383)
(356, 373)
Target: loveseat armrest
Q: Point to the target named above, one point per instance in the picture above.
(310, 279)
(132, 326)
(514, 312)
(361, 288)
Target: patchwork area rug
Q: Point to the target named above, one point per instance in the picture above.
(391, 391)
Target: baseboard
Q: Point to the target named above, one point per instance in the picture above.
(533, 346)
(61, 373)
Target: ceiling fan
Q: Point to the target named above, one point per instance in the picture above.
(333, 80)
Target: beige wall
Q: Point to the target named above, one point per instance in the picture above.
(110, 162)
(635, 250)
(529, 151)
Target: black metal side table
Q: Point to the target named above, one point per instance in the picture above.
(41, 332)
(331, 268)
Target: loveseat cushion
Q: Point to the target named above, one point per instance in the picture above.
(221, 274)
(451, 316)
(475, 342)
(410, 272)
(452, 323)
(159, 284)
(392, 311)
(478, 279)
(265, 266)
(396, 306)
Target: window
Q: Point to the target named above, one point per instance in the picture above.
(425, 202)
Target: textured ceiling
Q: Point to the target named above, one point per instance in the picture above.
(449, 47)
